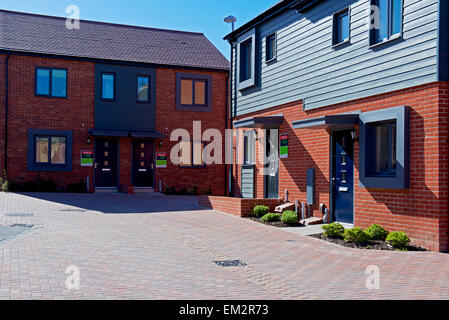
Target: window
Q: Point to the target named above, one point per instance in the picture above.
(341, 27)
(385, 153)
(193, 92)
(387, 20)
(384, 148)
(246, 51)
(108, 86)
(51, 82)
(49, 150)
(143, 89)
(249, 148)
(192, 154)
(246, 60)
(270, 47)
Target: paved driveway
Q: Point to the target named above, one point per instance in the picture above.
(157, 247)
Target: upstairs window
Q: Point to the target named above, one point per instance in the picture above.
(270, 47)
(193, 92)
(108, 86)
(246, 61)
(51, 82)
(341, 27)
(386, 20)
(192, 154)
(143, 89)
(246, 51)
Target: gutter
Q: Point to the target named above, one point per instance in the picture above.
(226, 127)
(6, 114)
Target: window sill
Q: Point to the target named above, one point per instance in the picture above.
(272, 60)
(341, 44)
(391, 39)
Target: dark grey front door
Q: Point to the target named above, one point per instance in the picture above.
(343, 176)
(272, 165)
(105, 163)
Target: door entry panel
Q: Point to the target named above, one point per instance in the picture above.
(106, 163)
(143, 164)
(343, 176)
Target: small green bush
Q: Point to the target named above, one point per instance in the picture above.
(333, 230)
(376, 232)
(289, 217)
(271, 217)
(356, 235)
(399, 240)
(260, 211)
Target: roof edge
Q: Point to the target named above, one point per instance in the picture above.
(101, 22)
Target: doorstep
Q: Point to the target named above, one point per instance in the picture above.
(106, 190)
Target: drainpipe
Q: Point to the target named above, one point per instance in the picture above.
(226, 127)
(231, 99)
(6, 114)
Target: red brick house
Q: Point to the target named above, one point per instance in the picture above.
(360, 112)
(97, 105)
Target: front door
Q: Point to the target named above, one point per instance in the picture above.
(272, 165)
(106, 163)
(143, 164)
(343, 176)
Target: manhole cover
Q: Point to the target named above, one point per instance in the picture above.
(230, 263)
(23, 225)
(19, 214)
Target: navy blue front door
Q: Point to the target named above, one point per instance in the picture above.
(343, 176)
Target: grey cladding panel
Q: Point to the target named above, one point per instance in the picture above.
(308, 68)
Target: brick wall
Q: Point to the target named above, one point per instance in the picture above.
(168, 119)
(26, 111)
(236, 206)
(421, 211)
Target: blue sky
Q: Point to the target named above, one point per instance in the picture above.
(204, 16)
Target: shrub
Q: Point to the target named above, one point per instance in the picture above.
(289, 217)
(333, 230)
(399, 240)
(260, 211)
(271, 217)
(356, 235)
(4, 185)
(376, 232)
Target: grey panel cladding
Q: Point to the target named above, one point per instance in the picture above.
(248, 182)
(443, 44)
(125, 113)
(309, 69)
(311, 186)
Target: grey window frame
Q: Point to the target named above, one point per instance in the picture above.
(49, 167)
(148, 101)
(114, 87)
(335, 16)
(401, 180)
(391, 37)
(245, 84)
(195, 77)
(50, 82)
(274, 57)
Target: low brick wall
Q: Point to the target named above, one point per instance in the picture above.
(236, 206)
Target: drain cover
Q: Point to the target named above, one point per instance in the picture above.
(23, 225)
(230, 263)
(19, 214)
(73, 210)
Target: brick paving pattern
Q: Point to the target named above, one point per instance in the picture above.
(157, 247)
